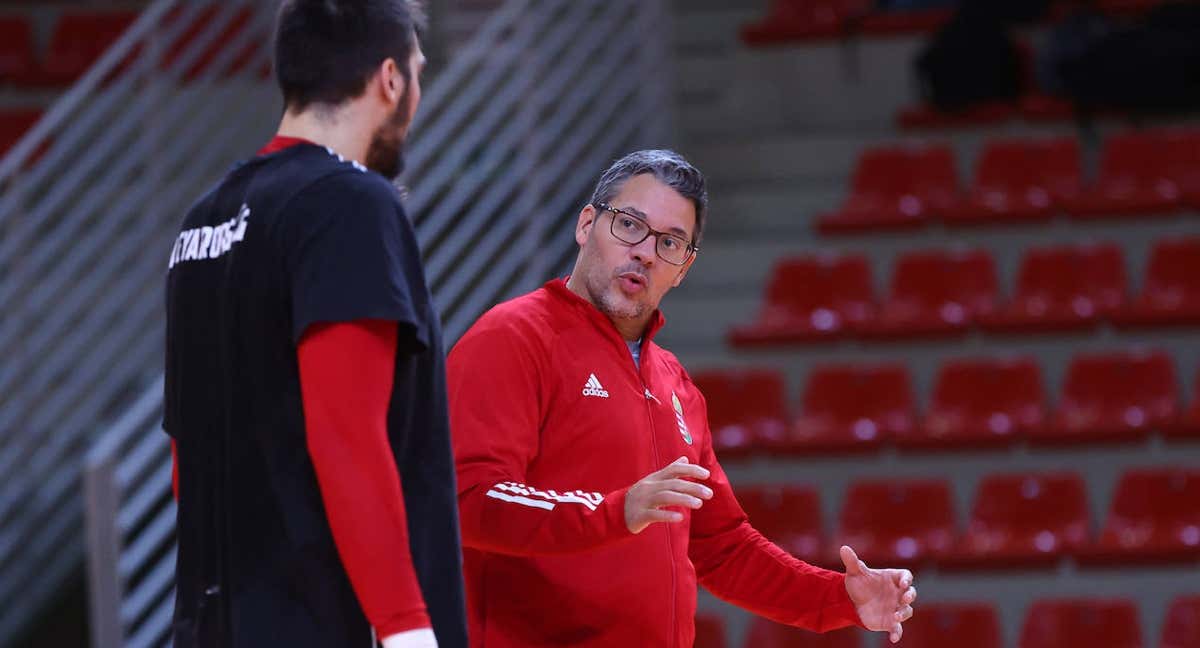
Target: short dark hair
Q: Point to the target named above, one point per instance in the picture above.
(327, 50)
(670, 168)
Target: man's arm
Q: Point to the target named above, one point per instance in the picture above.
(346, 374)
(496, 391)
(736, 563)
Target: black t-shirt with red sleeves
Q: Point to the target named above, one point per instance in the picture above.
(290, 239)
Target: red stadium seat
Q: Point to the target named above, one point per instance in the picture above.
(952, 625)
(1189, 422)
(1085, 623)
(1137, 177)
(896, 188)
(924, 116)
(811, 299)
(14, 124)
(919, 21)
(18, 60)
(1065, 288)
(789, 516)
(1171, 291)
(1025, 519)
(802, 20)
(1182, 627)
(937, 293)
(765, 633)
(1154, 517)
(1115, 397)
(744, 408)
(981, 402)
(1022, 180)
(710, 631)
(902, 522)
(849, 408)
(79, 40)
(1038, 108)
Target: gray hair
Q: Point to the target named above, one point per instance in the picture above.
(669, 167)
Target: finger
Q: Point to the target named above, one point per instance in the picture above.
(896, 633)
(651, 516)
(909, 596)
(672, 498)
(854, 566)
(678, 469)
(904, 614)
(904, 578)
(684, 486)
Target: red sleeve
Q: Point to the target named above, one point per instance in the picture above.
(736, 563)
(346, 374)
(496, 389)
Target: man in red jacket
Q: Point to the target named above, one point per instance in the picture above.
(591, 503)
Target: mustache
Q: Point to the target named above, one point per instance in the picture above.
(635, 268)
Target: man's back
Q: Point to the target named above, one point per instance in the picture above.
(291, 239)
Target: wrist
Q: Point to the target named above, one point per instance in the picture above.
(419, 638)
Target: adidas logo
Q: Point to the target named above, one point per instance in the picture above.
(593, 387)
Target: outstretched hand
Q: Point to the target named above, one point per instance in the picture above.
(882, 597)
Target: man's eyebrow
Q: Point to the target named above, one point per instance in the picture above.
(676, 230)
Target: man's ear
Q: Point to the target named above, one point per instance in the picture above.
(391, 81)
(583, 227)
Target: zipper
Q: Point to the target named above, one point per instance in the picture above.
(647, 396)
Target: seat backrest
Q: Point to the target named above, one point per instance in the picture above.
(1053, 623)
(741, 396)
(984, 386)
(959, 278)
(952, 625)
(16, 43)
(80, 37)
(778, 509)
(1140, 378)
(1175, 265)
(1157, 495)
(1032, 502)
(765, 633)
(1136, 155)
(1182, 627)
(849, 392)
(897, 508)
(710, 631)
(1065, 273)
(885, 171)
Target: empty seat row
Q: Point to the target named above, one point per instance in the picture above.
(976, 403)
(1049, 623)
(947, 292)
(79, 38)
(789, 21)
(1020, 520)
(1021, 180)
(798, 21)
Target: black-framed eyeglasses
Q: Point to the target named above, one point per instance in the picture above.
(631, 229)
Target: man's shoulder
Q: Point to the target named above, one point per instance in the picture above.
(528, 317)
(670, 365)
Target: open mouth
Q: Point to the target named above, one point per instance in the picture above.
(631, 282)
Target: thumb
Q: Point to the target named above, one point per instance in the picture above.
(681, 460)
(854, 566)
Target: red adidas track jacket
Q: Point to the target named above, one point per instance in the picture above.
(552, 422)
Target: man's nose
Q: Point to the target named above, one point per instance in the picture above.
(644, 252)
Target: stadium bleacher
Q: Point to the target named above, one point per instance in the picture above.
(1026, 286)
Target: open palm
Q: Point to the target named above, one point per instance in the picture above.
(883, 597)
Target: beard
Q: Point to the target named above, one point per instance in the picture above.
(385, 156)
(609, 300)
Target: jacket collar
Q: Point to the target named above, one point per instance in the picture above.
(558, 288)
